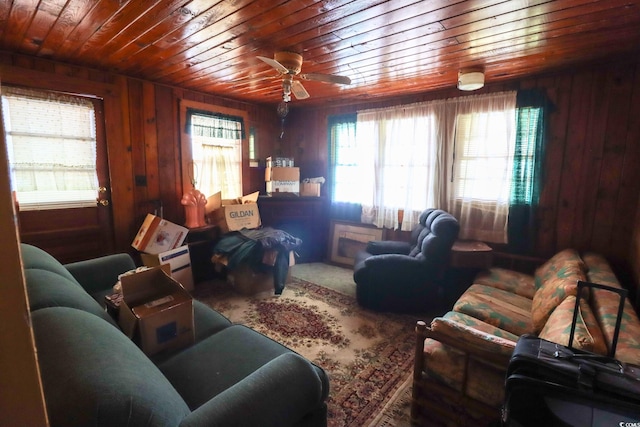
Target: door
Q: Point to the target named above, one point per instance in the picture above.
(76, 231)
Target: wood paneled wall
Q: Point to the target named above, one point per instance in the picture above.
(592, 167)
(143, 138)
(592, 179)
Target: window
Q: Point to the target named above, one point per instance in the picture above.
(345, 159)
(216, 152)
(51, 143)
(483, 157)
(467, 155)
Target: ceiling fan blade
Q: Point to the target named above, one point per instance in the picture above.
(329, 78)
(275, 64)
(298, 90)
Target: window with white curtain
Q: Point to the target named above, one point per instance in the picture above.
(483, 157)
(51, 144)
(454, 154)
(398, 163)
(216, 148)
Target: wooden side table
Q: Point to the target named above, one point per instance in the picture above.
(468, 257)
(201, 241)
(471, 254)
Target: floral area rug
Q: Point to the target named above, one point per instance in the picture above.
(368, 356)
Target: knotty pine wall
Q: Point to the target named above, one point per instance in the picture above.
(142, 134)
(592, 166)
(592, 173)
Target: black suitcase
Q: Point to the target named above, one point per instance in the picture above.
(548, 384)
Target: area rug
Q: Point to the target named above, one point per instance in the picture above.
(368, 356)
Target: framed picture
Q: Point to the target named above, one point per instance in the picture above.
(347, 239)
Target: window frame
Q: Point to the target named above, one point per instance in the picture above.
(100, 160)
(185, 141)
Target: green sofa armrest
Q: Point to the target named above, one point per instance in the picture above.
(278, 394)
(100, 274)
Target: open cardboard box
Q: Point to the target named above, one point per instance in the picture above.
(179, 261)
(156, 312)
(157, 235)
(233, 214)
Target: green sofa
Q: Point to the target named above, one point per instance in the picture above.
(92, 374)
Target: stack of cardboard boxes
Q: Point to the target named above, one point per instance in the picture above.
(282, 178)
(161, 242)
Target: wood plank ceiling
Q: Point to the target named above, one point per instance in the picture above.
(393, 47)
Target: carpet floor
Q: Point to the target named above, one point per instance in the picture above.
(368, 356)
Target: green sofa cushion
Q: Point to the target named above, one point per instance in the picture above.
(207, 321)
(92, 374)
(48, 289)
(236, 351)
(100, 274)
(36, 258)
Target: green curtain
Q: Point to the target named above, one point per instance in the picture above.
(532, 109)
(340, 210)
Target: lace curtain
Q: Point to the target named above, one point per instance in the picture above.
(51, 142)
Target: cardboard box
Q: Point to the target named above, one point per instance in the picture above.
(246, 281)
(156, 311)
(283, 188)
(179, 260)
(157, 235)
(233, 215)
(310, 189)
(282, 174)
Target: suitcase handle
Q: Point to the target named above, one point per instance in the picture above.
(622, 293)
(600, 361)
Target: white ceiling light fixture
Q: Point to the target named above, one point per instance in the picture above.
(470, 80)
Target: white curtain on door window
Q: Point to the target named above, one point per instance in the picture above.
(51, 142)
(481, 136)
(401, 159)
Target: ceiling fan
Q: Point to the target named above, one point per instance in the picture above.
(289, 64)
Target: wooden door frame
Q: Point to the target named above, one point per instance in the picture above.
(116, 119)
(21, 394)
(185, 140)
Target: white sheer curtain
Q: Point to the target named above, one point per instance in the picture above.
(400, 157)
(219, 171)
(454, 154)
(216, 149)
(481, 136)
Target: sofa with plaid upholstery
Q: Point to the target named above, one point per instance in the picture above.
(462, 356)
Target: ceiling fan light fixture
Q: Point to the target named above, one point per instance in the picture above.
(470, 80)
(286, 89)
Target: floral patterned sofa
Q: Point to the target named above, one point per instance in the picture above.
(462, 356)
